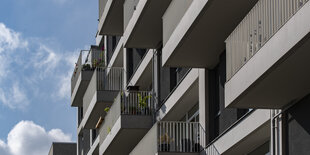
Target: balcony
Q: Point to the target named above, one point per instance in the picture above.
(248, 133)
(82, 74)
(267, 56)
(142, 76)
(142, 19)
(101, 92)
(127, 121)
(110, 17)
(198, 38)
(172, 138)
(182, 98)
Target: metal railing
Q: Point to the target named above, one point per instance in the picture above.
(109, 78)
(180, 137)
(138, 103)
(88, 60)
(259, 25)
(82, 60)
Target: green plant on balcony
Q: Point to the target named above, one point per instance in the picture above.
(107, 109)
(109, 130)
(86, 67)
(143, 102)
(100, 61)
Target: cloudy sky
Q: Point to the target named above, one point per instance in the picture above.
(39, 44)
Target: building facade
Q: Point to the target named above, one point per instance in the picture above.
(195, 77)
(58, 148)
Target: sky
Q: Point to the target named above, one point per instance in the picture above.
(40, 41)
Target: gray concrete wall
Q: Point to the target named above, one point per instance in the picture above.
(298, 128)
(102, 4)
(63, 149)
(90, 91)
(148, 144)
(129, 8)
(83, 143)
(220, 118)
(172, 17)
(111, 117)
(86, 141)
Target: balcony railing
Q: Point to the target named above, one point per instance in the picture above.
(109, 78)
(103, 79)
(82, 61)
(138, 103)
(180, 137)
(88, 60)
(259, 25)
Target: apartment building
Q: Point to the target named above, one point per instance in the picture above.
(58, 148)
(195, 77)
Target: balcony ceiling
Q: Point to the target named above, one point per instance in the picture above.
(199, 38)
(111, 22)
(145, 27)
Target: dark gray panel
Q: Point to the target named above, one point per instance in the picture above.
(298, 128)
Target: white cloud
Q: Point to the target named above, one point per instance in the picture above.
(34, 64)
(3, 148)
(10, 40)
(65, 86)
(15, 97)
(45, 60)
(29, 138)
(65, 79)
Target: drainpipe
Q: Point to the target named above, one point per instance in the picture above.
(276, 137)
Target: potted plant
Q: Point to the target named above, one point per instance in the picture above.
(165, 142)
(86, 67)
(143, 103)
(107, 109)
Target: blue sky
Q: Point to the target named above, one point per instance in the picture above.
(39, 44)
